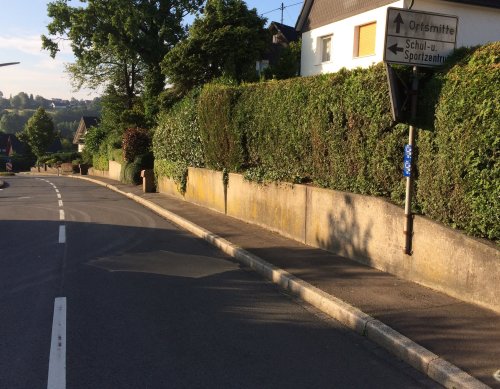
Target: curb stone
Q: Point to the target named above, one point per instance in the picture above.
(430, 364)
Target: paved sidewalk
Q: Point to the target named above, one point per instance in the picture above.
(463, 334)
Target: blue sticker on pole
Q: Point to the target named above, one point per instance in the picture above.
(407, 161)
(408, 151)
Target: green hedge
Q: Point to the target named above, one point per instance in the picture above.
(60, 157)
(459, 170)
(177, 141)
(222, 141)
(177, 136)
(19, 162)
(336, 131)
(100, 161)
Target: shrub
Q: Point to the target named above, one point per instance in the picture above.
(136, 141)
(22, 162)
(93, 139)
(100, 161)
(131, 171)
(60, 157)
(116, 155)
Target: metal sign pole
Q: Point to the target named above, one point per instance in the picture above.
(415, 38)
(408, 230)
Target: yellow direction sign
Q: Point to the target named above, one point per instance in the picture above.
(419, 38)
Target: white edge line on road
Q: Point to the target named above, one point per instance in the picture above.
(57, 359)
(61, 214)
(60, 203)
(62, 234)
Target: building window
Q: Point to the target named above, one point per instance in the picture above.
(326, 48)
(365, 40)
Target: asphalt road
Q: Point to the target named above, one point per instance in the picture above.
(147, 305)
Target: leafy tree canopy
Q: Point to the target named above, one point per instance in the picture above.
(288, 64)
(225, 40)
(11, 122)
(118, 42)
(39, 132)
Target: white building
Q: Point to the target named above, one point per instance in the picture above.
(86, 122)
(350, 33)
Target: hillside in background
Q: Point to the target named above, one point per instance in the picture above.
(16, 110)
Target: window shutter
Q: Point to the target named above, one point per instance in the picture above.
(366, 42)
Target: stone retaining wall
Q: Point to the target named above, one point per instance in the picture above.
(366, 229)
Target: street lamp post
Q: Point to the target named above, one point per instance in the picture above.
(9, 63)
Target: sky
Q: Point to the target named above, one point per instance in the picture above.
(23, 21)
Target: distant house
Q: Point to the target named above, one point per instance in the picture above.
(85, 123)
(350, 34)
(10, 145)
(55, 105)
(282, 36)
(59, 104)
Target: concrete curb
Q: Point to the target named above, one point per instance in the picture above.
(402, 347)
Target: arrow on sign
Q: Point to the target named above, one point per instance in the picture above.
(399, 22)
(395, 48)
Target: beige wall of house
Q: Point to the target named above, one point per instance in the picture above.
(476, 25)
(343, 43)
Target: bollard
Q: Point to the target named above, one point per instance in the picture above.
(148, 180)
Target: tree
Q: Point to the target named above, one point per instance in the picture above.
(119, 42)
(288, 64)
(12, 122)
(39, 132)
(226, 40)
(41, 102)
(17, 101)
(93, 139)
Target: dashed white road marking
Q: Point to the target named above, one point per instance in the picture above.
(61, 214)
(58, 195)
(57, 359)
(57, 190)
(60, 203)
(62, 234)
